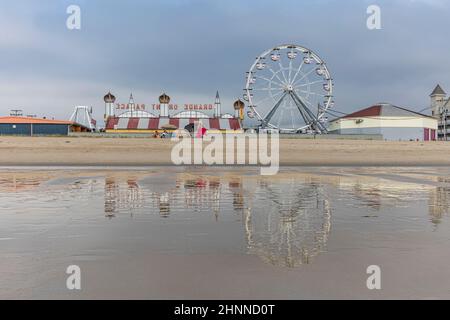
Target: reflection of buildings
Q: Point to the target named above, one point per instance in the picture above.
(200, 193)
(371, 191)
(214, 186)
(439, 203)
(28, 181)
(17, 182)
(111, 192)
(119, 196)
(370, 196)
(164, 204)
(190, 193)
(236, 188)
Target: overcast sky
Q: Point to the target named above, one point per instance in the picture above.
(191, 48)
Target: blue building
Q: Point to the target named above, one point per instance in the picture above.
(26, 126)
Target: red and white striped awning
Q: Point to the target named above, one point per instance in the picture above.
(116, 123)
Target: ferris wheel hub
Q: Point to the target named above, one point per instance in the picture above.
(289, 88)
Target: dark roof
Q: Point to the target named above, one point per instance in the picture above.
(109, 98)
(438, 90)
(164, 98)
(238, 104)
(367, 112)
(383, 110)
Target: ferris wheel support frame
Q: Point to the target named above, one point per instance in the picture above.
(314, 120)
(306, 116)
(270, 114)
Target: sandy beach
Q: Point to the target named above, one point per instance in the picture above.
(23, 151)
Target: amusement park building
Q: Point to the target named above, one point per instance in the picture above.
(137, 120)
(28, 126)
(392, 122)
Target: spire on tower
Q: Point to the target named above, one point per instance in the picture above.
(438, 101)
(438, 91)
(217, 98)
(217, 110)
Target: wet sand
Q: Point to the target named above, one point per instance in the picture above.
(194, 233)
(149, 151)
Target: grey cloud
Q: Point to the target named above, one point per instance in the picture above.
(192, 48)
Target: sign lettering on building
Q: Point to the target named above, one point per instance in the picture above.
(127, 106)
(157, 106)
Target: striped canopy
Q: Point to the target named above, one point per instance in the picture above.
(116, 123)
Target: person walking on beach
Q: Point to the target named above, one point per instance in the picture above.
(201, 131)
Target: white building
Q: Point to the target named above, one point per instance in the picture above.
(392, 122)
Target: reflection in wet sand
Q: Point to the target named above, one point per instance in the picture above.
(19, 182)
(286, 220)
(286, 235)
(293, 229)
(439, 203)
(117, 197)
(290, 224)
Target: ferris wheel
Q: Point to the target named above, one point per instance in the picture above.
(289, 88)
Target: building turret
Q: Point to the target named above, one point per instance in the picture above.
(217, 104)
(164, 100)
(109, 105)
(437, 101)
(239, 109)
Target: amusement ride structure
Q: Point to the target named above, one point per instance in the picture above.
(83, 116)
(289, 88)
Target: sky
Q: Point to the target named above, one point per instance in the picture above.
(191, 48)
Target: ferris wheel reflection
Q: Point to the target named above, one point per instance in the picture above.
(285, 223)
(294, 228)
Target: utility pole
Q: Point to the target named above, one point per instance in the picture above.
(443, 118)
(445, 124)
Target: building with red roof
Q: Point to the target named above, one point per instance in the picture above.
(392, 122)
